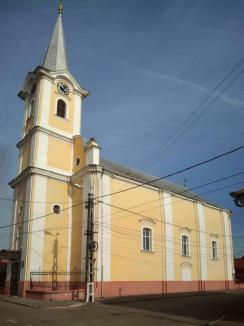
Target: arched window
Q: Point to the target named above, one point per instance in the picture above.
(147, 239)
(61, 109)
(77, 161)
(185, 245)
(214, 250)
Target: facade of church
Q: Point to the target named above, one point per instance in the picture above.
(148, 236)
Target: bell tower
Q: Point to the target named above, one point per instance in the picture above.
(52, 120)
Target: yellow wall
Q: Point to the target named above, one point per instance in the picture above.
(184, 215)
(25, 154)
(78, 151)
(214, 225)
(126, 235)
(56, 225)
(59, 153)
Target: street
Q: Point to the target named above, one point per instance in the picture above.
(215, 308)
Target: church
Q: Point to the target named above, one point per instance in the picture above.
(83, 226)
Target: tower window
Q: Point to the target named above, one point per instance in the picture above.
(56, 209)
(77, 161)
(61, 109)
(185, 245)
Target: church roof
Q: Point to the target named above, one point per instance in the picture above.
(141, 177)
(56, 55)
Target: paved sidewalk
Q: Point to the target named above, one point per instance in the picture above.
(32, 303)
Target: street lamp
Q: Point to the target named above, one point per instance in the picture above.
(238, 197)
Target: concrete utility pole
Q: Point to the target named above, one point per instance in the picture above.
(90, 248)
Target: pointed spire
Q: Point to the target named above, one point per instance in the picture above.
(56, 55)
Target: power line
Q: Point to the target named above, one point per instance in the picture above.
(136, 186)
(174, 173)
(39, 217)
(159, 152)
(163, 222)
(74, 201)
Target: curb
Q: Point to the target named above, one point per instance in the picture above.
(35, 306)
(20, 303)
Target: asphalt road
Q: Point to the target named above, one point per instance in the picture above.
(181, 309)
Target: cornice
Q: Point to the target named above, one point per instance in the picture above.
(31, 170)
(91, 168)
(46, 131)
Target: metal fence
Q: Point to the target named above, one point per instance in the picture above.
(56, 280)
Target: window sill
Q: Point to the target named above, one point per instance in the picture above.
(147, 251)
(186, 256)
(57, 116)
(215, 258)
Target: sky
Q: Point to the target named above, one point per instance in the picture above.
(148, 65)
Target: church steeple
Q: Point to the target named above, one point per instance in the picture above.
(56, 55)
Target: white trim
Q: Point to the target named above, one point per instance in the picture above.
(186, 273)
(105, 237)
(69, 234)
(67, 108)
(37, 240)
(202, 241)
(77, 115)
(24, 272)
(228, 246)
(217, 250)
(44, 110)
(169, 244)
(42, 150)
(146, 226)
(184, 234)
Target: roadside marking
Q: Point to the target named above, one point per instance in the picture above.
(217, 320)
(11, 321)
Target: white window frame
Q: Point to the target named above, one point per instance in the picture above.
(66, 117)
(214, 250)
(143, 248)
(187, 253)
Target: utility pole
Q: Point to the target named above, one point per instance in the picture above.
(91, 246)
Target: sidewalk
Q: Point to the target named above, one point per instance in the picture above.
(44, 304)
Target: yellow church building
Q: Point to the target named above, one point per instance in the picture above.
(85, 225)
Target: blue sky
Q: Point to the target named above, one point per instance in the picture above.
(148, 64)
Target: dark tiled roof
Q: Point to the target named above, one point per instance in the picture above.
(139, 176)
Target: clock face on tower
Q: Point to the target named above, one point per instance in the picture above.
(63, 88)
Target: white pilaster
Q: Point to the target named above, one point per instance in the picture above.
(69, 231)
(26, 226)
(228, 246)
(202, 242)
(77, 115)
(39, 209)
(169, 244)
(44, 109)
(104, 232)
